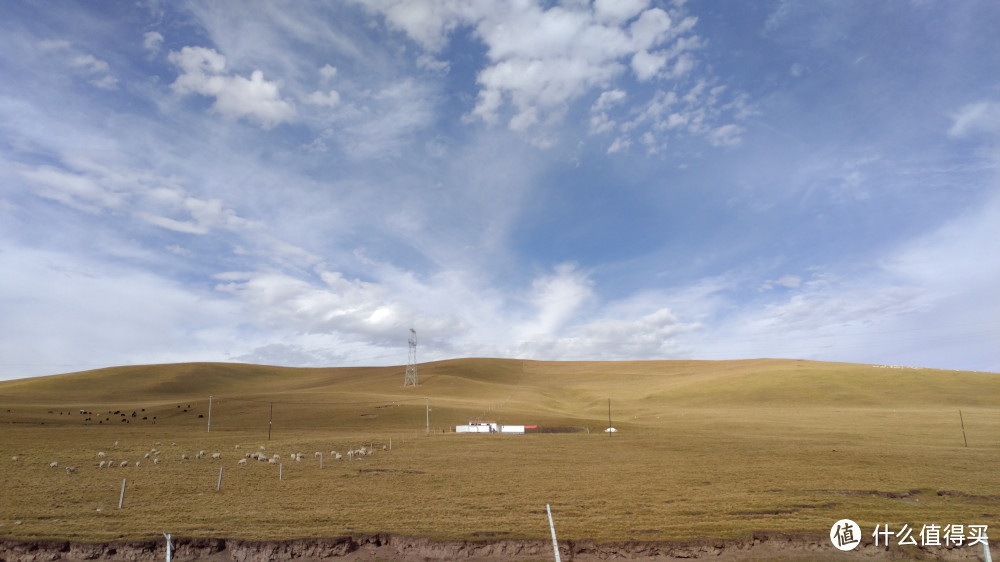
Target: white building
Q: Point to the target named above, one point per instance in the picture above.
(478, 427)
(488, 427)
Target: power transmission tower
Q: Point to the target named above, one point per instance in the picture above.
(411, 361)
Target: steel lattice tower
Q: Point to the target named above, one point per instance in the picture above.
(411, 361)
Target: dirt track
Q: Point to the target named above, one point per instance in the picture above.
(760, 546)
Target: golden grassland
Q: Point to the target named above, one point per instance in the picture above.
(704, 450)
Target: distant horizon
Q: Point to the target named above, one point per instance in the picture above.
(402, 366)
(301, 184)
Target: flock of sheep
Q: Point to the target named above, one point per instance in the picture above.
(354, 454)
(154, 455)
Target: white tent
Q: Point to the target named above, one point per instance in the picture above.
(610, 430)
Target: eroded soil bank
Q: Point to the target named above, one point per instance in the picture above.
(757, 547)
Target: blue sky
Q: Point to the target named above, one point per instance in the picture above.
(301, 183)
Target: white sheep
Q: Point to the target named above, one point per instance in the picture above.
(15, 458)
(101, 454)
(217, 456)
(103, 463)
(337, 455)
(299, 457)
(272, 460)
(156, 461)
(123, 464)
(262, 448)
(146, 456)
(242, 462)
(137, 464)
(53, 464)
(70, 469)
(317, 454)
(201, 454)
(237, 447)
(185, 457)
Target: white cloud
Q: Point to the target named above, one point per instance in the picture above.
(646, 65)
(653, 335)
(683, 65)
(726, 135)
(152, 41)
(74, 190)
(927, 302)
(979, 117)
(608, 99)
(65, 312)
(329, 99)
(650, 29)
(97, 71)
(696, 113)
(617, 11)
(787, 281)
(95, 188)
(429, 62)
(356, 310)
(203, 71)
(205, 215)
(543, 58)
(556, 299)
(619, 144)
(327, 72)
(383, 120)
(428, 22)
(599, 119)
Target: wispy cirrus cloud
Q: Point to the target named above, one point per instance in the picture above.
(978, 117)
(96, 71)
(96, 188)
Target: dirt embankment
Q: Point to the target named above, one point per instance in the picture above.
(759, 546)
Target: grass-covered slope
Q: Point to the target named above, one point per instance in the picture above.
(704, 449)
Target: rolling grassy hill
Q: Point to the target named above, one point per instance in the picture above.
(705, 449)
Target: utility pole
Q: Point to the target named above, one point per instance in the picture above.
(269, 420)
(609, 418)
(209, 414)
(427, 404)
(411, 362)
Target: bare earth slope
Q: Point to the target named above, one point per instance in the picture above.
(706, 451)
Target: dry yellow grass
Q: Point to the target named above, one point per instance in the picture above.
(705, 449)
